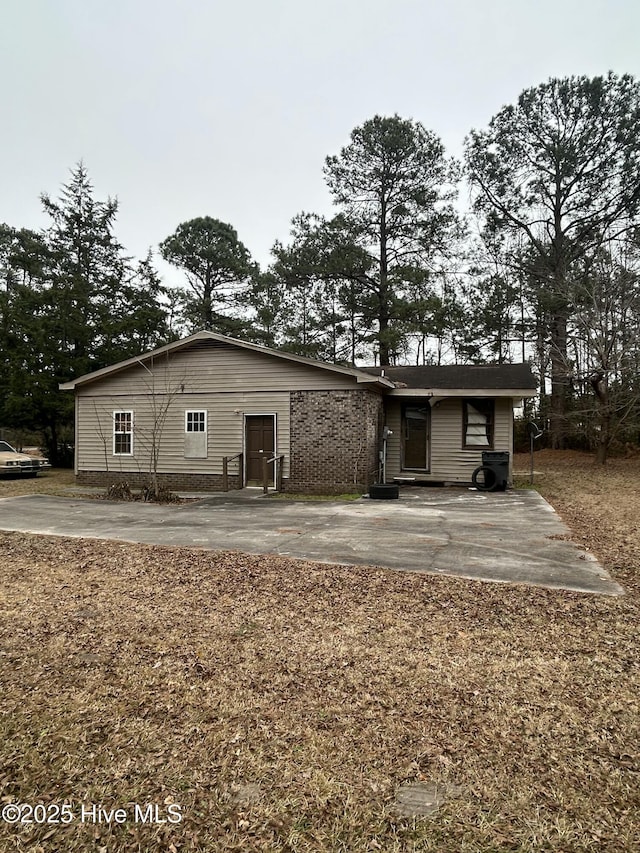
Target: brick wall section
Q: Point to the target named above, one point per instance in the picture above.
(334, 441)
(174, 482)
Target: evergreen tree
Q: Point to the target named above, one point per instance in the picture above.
(321, 271)
(266, 300)
(559, 173)
(393, 185)
(87, 271)
(217, 268)
(72, 302)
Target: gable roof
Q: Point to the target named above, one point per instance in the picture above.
(200, 339)
(429, 380)
(517, 379)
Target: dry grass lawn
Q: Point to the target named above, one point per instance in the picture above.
(281, 704)
(56, 481)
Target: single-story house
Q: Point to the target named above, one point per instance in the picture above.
(208, 404)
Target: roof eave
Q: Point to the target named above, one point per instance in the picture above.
(463, 392)
(377, 381)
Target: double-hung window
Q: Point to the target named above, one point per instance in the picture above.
(123, 433)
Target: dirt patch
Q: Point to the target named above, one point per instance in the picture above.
(283, 704)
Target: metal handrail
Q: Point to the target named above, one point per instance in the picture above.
(277, 479)
(225, 470)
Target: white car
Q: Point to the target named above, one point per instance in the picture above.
(17, 464)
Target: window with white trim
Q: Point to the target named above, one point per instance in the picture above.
(195, 421)
(123, 433)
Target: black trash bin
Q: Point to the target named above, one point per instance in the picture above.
(493, 474)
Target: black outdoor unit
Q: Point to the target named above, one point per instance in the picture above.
(493, 474)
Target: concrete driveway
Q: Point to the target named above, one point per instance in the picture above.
(511, 537)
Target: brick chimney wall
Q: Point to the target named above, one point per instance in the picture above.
(334, 441)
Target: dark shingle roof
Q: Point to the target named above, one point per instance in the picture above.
(460, 376)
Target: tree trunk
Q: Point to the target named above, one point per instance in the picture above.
(385, 355)
(599, 384)
(602, 452)
(51, 443)
(559, 381)
(383, 319)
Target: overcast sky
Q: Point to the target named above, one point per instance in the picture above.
(198, 107)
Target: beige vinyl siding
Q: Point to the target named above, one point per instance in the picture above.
(211, 369)
(450, 462)
(225, 430)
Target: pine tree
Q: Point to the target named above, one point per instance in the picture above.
(557, 175)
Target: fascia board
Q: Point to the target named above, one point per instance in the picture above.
(443, 393)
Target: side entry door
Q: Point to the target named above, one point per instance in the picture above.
(259, 441)
(417, 423)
